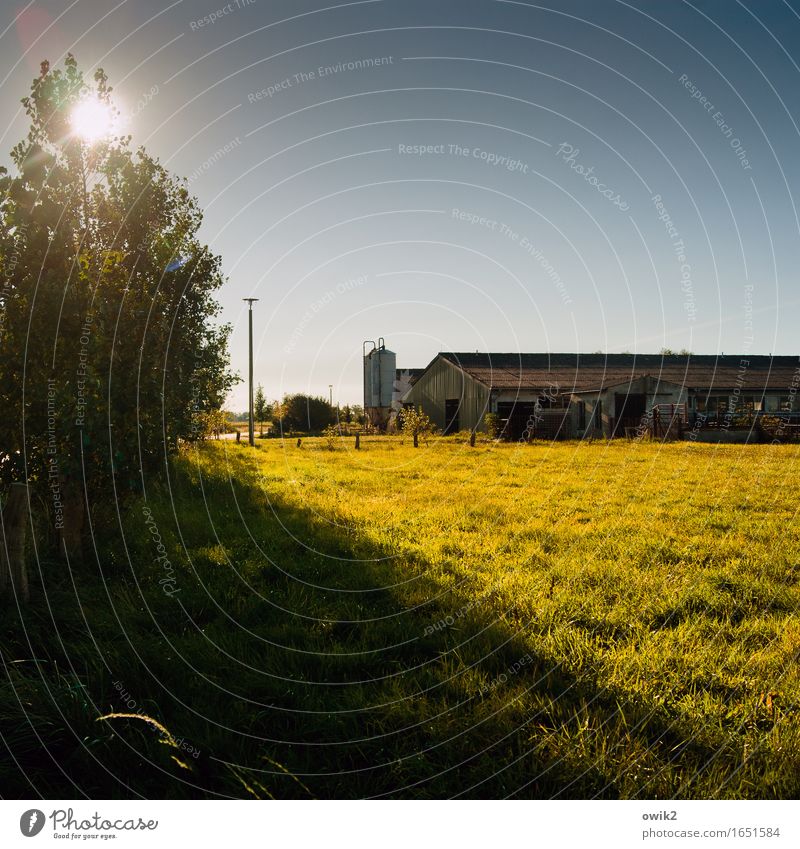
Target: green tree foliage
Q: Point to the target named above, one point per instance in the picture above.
(413, 422)
(261, 409)
(305, 413)
(109, 352)
(212, 423)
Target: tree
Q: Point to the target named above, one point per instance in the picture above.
(414, 422)
(109, 350)
(357, 414)
(260, 407)
(305, 413)
(213, 423)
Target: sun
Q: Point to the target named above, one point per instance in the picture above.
(92, 119)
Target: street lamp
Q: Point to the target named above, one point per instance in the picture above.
(251, 432)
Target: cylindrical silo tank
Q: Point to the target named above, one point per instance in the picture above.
(385, 367)
(380, 366)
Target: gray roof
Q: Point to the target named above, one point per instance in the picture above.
(594, 372)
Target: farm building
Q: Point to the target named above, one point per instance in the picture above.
(606, 395)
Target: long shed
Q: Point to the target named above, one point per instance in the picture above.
(577, 395)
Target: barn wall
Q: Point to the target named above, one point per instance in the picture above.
(591, 428)
(520, 396)
(443, 381)
(655, 392)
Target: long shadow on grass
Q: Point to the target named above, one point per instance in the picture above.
(298, 658)
(367, 674)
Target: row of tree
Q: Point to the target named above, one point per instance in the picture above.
(299, 413)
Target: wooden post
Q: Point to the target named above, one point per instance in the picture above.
(238, 435)
(416, 440)
(13, 520)
(472, 439)
(358, 441)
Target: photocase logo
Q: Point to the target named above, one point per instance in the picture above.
(31, 822)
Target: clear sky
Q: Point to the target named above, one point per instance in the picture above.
(462, 175)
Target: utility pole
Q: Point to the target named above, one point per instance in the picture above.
(251, 431)
(330, 390)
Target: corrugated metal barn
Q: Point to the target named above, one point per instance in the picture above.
(581, 395)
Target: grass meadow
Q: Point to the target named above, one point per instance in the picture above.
(612, 620)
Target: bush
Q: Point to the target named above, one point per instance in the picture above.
(331, 434)
(491, 421)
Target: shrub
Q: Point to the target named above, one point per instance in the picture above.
(491, 422)
(331, 434)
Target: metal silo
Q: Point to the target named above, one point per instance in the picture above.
(380, 366)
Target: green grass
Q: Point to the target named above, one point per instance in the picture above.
(572, 620)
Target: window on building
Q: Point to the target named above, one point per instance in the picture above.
(712, 405)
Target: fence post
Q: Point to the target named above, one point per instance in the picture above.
(472, 439)
(12, 542)
(358, 441)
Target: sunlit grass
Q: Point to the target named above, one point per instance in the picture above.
(570, 619)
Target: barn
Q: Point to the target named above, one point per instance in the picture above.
(607, 395)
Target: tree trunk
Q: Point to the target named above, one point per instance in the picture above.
(13, 518)
(71, 530)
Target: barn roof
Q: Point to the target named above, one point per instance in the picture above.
(412, 375)
(595, 372)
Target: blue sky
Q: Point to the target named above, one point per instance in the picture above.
(502, 176)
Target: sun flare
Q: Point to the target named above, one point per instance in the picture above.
(92, 119)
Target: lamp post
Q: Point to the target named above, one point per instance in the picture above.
(251, 430)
